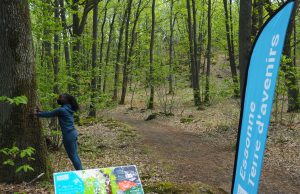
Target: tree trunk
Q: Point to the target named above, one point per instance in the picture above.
(260, 13)
(172, 23)
(17, 123)
(231, 51)
(255, 18)
(195, 39)
(130, 54)
(151, 75)
(47, 60)
(110, 36)
(244, 39)
(92, 112)
(75, 49)
(208, 55)
(289, 69)
(78, 27)
(125, 69)
(65, 38)
(117, 65)
(101, 47)
(195, 76)
(231, 29)
(56, 50)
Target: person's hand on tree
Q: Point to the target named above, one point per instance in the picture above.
(36, 110)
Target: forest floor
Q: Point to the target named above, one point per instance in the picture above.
(192, 149)
(200, 145)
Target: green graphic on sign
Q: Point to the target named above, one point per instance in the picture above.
(114, 180)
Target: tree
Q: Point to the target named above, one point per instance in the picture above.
(101, 45)
(208, 54)
(171, 47)
(151, 72)
(289, 68)
(194, 68)
(65, 38)
(118, 57)
(77, 30)
(56, 50)
(230, 48)
(130, 52)
(125, 68)
(110, 37)
(17, 125)
(92, 112)
(245, 26)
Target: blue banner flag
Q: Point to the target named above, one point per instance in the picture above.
(258, 99)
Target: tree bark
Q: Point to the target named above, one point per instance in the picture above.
(78, 27)
(289, 69)
(125, 69)
(56, 50)
(117, 65)
(18, 126)
(171, 47)
(255, 18)
(151, 70)
(101, 47)
(65, 38)
(195, 76)
(110, 36)
(208, 55)
(130, 54)
(245, 25)
(231, 51)
(92, 112)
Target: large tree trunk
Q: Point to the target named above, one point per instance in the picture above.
(17, 123)
(151, 72)
(231, 50)
(92, 112)
(244, 39)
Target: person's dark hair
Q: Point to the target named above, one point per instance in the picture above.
(72, 101)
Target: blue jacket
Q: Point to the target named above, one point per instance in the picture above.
(66, 120)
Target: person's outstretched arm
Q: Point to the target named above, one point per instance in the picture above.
(47, 114)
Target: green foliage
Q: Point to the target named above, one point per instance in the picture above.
(14, 154)
(24, 168)
(79, 72)
(19, 100)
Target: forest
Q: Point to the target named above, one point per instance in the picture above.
(159, 84)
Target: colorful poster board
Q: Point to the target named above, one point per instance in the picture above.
(113, 180)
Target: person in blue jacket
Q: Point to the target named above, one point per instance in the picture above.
(65, 116)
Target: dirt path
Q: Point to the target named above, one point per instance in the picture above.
(193, 158)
